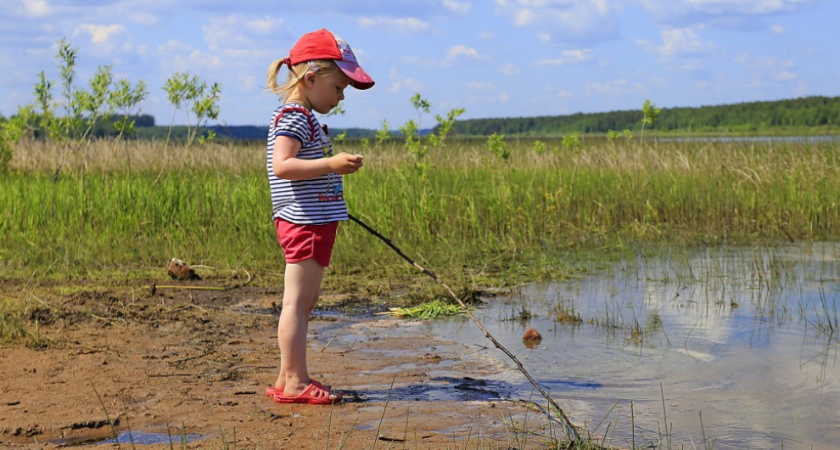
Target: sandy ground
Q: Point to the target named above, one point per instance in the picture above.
(177, 363)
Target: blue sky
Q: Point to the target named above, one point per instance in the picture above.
(495, 58)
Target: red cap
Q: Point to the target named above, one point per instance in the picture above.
(323, 44)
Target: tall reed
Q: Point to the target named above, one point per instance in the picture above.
(210, 204)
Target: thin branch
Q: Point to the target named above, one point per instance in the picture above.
(566, 422)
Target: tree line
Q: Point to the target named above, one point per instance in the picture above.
(750, 117)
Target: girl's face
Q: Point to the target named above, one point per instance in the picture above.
(324, 92)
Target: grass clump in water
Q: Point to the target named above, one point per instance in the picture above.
(425, 311)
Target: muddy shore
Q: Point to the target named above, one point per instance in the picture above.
(194, 364)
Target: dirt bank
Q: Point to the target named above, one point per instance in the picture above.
(193, 362)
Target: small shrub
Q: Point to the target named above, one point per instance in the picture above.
(540, 147)
(497, 145)
(571, 142)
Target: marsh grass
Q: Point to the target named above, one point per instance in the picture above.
(210, 204)
(424, 311)
(122, 210)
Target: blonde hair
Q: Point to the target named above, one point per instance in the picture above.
(321, 67)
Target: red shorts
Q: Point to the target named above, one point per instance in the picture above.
(301, 242)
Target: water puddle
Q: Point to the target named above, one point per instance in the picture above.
(735, 346)
(140, 438)
(131, 438)
(438, 388)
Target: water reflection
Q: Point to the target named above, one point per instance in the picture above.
(746, 338)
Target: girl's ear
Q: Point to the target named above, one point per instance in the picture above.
(309, 79)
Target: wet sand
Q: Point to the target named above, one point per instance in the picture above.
(180, 362)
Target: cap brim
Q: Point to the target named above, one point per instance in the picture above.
(361, 80)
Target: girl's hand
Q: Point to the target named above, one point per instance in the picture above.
(345, 163)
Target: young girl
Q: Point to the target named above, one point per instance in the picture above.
(307, 193)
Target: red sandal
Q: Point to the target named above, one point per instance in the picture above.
(314, 394)
(273, 391)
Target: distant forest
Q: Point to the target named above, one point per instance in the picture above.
(801, 115)
(821, 113)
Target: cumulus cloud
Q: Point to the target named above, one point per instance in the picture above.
(768, 69)
(480, 86)
(568, 57)
(724, 13)
(418, 61)
(501, 97)
(616, 87)
(769, 63)
(786, 76)
(458, 53)
(563, 20)
(178, 56)
(143, 18)
(100, 34)
(239, 32)
(402, 84)
(36, 8)
(460, 8)
(680, 42)
(397, 25)
(510, 70)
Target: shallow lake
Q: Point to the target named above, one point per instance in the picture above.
(732, 347)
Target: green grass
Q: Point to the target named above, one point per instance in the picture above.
(427, 310)
(468, 209)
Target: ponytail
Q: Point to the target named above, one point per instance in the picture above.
(296, 73)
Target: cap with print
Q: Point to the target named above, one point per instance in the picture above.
(323, 44)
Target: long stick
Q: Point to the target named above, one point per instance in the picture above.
(566, 422)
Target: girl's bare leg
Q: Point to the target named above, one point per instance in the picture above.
(301, 291)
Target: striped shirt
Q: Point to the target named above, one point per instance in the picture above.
(314, 201)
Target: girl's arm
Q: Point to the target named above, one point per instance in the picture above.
(286, 164)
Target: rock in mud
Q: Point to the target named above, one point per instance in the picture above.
(179, 270)
(531, 335)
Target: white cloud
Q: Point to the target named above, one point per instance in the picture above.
(510, 70)
(546, 62)
(239, 32)
(264, 24)
(173, 46)
(143, 18)
(100, 34)
(725, 13)
(778, 29)
(461, 52)
(617, 87)
(786, 76)
(765, 64)
(418, 61)
(399, 25)
(692, 64)
(562, 20)
(480, 86)
(743, 6)
(36, 8)
(569, 57)
(678, 42)
(485, 35)
(802, 89)
(457, 7)
(402, 84)
(178, 56)
(580, 55)
(501, 97)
